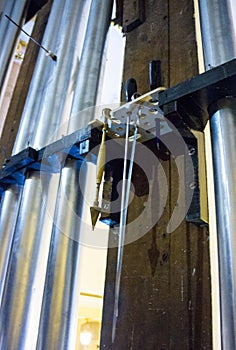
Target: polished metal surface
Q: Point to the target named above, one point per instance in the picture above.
(219, 46)
(29, 122)
(20, 309)
(218, 32)
(42, 73)
(26, 269)
(59, 315)
(223, 131)
(61, 295)
(70, 35)
(9, 211)
(90, 64)
(48, 102)
(8, 32)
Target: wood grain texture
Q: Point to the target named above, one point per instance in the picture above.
(170, 309)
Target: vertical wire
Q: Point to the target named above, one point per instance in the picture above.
(123, 217)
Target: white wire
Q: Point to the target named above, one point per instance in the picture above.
(123, 217)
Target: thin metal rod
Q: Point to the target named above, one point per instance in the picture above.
(54, 57)
(8, 35)
(123, 218)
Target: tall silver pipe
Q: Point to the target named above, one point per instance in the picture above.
(17, 329)
(29, 121)
(42, 74)
(9, 211)
(29, 117)
(219, 46)
(70, 37)
(59, 315)
(58, 322)
(8, 32)
(25, 311)
(90, 64)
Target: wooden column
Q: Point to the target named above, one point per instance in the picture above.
(165, 305)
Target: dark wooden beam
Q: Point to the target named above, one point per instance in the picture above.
(165, 295)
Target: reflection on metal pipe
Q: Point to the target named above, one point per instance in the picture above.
(29, 119)
(8, 33)
(39, 82)
(219, 46)
(21, 283)
(59, 315)
(60, 302)
(70, 35)
(218, 34)
(90, 64)
(9, 211)
(21, 314)
(223, 130)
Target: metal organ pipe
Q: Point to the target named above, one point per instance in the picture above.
(9, 211)
(59, 315)
(90, 64)
(68, 46)
(42, 74)
(219, 46)
(29, 121)
(21, 286)
(20, 315)
(8, 32)
(57, 323)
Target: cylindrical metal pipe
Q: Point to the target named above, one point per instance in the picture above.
(57, 323)
(20, 143)
(9, 211)
(25, 311)
(20, 309)
(59, 316)
(223, 131)
(219, 46)
(42, 73)
(88, 77)
(218, 32)
(8, 32)
(70, 37)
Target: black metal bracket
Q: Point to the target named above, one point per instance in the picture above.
(50, 158)
(188, 106)
(193, 98)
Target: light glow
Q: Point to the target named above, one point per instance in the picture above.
(85, 338)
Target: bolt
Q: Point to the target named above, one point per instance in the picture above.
(191, 151)
(193, 185)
